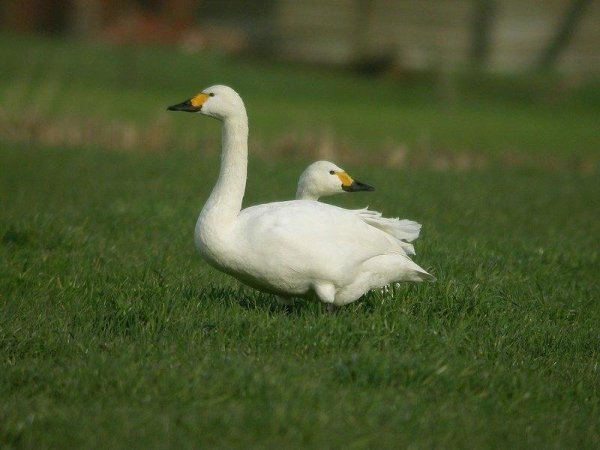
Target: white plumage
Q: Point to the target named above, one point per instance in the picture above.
(296, 248)
(323, 178)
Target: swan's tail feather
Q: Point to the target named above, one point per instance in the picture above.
(417, 272)
(424, 276)
(408, 248)
(404, 230)
(381, 270)
(407, 227)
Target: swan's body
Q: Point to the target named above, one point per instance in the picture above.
(295, 248)
(324, 178)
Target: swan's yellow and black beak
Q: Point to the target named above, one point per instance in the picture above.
(194, 104)
(351, 185)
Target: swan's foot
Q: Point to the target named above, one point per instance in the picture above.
(331, 308)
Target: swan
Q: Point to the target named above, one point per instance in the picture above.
(296, 248)
(323, 178)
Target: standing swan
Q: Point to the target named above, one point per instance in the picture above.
(323, 178)
(296, 248)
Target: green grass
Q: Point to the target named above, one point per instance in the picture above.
(540, 116)
(115, 334)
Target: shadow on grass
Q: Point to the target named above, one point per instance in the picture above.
(253, 300)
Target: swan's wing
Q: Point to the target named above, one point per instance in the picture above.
(403, 229)
(310, 237)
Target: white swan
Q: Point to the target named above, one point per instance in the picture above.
(296, 248)
(323, 178)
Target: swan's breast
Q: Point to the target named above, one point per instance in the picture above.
(213, 242)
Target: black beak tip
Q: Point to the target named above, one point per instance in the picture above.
(357, 186)
(184, 106)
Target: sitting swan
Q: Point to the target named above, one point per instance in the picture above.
(293, 249)
(323, 178)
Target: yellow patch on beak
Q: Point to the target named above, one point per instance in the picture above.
(199, 100)
(345, 178)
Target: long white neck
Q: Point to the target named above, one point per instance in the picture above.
(306, 194)
(225, 201)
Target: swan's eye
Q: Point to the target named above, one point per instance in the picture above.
(331, 172)
(212, 94)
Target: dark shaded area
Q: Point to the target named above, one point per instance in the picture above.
(564, 33)
(483, 19)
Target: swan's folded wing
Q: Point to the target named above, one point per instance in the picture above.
(312, 234)
(403, 229)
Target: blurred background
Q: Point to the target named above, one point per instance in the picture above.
(442, 84)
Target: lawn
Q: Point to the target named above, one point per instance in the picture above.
(538, 117)
(115, 334)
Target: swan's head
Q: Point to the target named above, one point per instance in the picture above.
(323, 178)
(220, 102)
